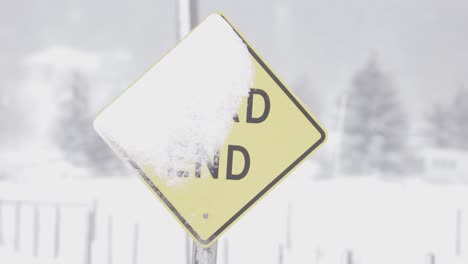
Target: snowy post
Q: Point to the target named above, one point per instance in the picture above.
(188, 242)
(109, 239)
(336, 169)
(458, 227)
(36, 227)
(280, 254)
(288, 227)
(1, 223)
(136, 237)
(58, 222)
(226, 251)
(349, 257)
(17, 226)
(431, 258)
(91, 226)
(201, 255)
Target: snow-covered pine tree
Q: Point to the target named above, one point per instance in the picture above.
(73, 131)
(440, 127)
(4, 117)
(375, 126)
(447, 124)
(459, 110)
(11, 119)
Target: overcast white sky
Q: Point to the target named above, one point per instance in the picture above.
(422, 44)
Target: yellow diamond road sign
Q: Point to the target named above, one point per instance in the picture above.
(271, 135)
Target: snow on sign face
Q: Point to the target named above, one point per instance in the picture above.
(184, 103)
(210, 129)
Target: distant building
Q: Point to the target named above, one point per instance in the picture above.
(442, 165)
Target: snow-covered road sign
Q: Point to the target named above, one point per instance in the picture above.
(270, 132)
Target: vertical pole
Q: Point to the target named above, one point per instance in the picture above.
(1, 222)
(57, 231)
(17, 226)
(226, 252)
(349, 257)
(280, 254)
(318, 255)
(458, 231)
(187, 249)
(431, 258)
(193, 13)
(36, 230)
(202, 255)
(187, 16)
(90, 234)
(341, 126)
(288, 227)
(136, 235)
(109, 240)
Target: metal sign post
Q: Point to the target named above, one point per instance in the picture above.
(201, 255)
(186, 17)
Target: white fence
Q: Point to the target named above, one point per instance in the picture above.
(332, 222)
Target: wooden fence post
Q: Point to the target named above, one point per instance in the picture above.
(349, 257)
(1, 222)
(36, 230)
(458, 233)
(187, 249)
(431, 258)
(288, 227)
(91, 228)
(280, 254)
(136, 235)
(318, 255)
(226, 251)
(17, 226)
(109, 239)
(58, 223)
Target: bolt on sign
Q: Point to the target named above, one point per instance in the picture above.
(269, 133)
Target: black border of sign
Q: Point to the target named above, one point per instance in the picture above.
(262, 192)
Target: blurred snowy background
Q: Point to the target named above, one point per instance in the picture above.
(388, 79)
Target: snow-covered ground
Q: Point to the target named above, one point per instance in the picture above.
(378, 222)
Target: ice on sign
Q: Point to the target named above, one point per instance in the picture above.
(210, 129)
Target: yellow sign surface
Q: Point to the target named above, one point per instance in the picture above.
(272, 134)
